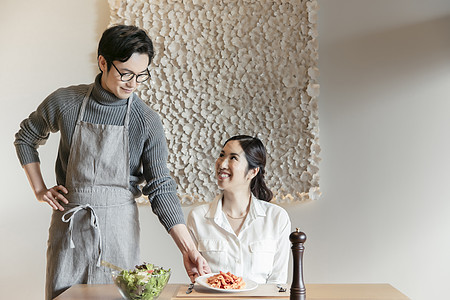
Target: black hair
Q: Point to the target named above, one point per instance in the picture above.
(255, 153)
(120, 42)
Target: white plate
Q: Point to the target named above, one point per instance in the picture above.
(249, 284)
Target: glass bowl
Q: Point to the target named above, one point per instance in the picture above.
(141, 285)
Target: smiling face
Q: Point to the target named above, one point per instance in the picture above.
(136, 64)
(232, 168)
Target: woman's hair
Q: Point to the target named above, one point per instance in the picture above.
(120, 42)
(255, 153)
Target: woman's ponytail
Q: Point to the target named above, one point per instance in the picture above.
(259, 188)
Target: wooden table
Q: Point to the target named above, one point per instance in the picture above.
(266, 291)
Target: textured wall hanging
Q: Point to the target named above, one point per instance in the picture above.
(228, 67)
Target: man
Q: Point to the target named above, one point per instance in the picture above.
(110, 142)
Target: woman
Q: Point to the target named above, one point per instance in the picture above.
(110, 141)
(240, 231)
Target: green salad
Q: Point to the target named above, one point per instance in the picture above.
(145, 282)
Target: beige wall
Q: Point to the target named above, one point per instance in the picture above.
(44, 45)
(384, 125)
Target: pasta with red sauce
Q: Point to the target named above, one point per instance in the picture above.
(226, 281)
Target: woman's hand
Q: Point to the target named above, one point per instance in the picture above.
(53, 196)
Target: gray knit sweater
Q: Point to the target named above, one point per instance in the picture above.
(148, 147)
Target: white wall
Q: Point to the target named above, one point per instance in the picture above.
(384, 135)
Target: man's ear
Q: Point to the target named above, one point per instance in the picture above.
(102, 64)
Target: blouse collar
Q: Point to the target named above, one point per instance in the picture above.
(216, 212)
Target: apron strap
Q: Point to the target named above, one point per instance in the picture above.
(68, 218)
(83, 105)
(127, 115)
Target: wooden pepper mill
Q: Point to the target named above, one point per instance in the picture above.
(298, 290)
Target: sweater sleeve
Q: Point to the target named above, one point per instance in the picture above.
(35, 130)
(160, 187)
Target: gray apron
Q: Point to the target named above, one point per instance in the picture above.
(101, 221)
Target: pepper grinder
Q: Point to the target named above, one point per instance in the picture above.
(298, 290)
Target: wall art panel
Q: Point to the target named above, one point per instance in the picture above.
(223, 68)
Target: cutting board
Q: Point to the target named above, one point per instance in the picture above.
(262, 291)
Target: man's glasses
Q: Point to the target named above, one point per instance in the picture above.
(125, 77)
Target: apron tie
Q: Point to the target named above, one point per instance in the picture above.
(68, 218)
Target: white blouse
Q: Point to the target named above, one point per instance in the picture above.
(259, 252)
